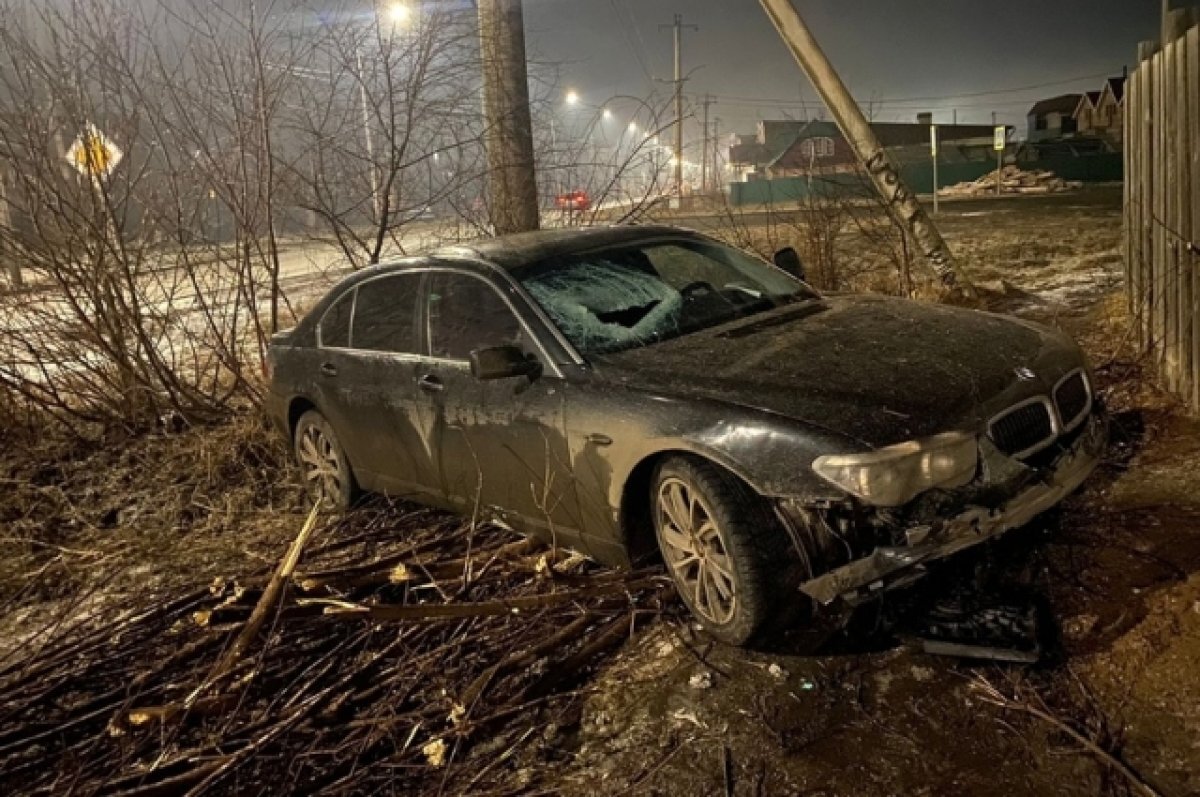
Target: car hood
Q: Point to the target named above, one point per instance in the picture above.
(876, 370)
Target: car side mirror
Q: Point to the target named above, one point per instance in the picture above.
(788, 259)
(503, 362)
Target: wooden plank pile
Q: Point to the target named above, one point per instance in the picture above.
(417, 655)
(1013, 180)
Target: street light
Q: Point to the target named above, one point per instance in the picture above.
(572, 98)
(399, 13)
(607, 114)
(633, 128)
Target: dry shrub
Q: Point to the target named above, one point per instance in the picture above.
(191, 502)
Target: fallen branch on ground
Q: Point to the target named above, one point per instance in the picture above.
(327, 705)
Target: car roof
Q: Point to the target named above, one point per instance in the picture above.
(512, 252)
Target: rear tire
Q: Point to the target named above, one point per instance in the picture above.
(732, 563)
(324, 467)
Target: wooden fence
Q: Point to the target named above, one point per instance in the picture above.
(1162, 202)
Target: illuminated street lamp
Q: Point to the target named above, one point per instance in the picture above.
(398, 13)
(633, 128)
(572, 98)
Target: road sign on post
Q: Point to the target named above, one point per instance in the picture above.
(1001, 141)
(933, 152)
(93, 154)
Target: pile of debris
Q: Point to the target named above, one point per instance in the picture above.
(416, 655)
(1013, 180)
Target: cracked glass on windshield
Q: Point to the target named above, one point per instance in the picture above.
(620, 298)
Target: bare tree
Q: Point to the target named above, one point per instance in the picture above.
(252, 131)
(386, 128)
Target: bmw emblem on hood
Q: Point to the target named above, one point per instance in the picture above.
(1025, 374)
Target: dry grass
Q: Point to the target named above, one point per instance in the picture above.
(123, 515)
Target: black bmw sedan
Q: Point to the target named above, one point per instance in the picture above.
(632, 391)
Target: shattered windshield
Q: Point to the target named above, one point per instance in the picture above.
(614, 299)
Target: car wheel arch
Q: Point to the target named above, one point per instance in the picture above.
(633, 501)
(296, 409)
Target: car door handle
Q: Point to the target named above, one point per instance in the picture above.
(430, 384)
(328, 369)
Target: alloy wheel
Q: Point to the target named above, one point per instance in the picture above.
(321, 466)
(695, 551)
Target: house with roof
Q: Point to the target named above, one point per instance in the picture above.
(1054, 118)
(792, 148)
(1093, 114)
(1085, 112)
(1107, 119)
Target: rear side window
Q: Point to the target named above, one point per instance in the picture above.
(335, 324)
(385, 315)
(465, 314)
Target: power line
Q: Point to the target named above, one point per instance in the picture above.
(639, 55)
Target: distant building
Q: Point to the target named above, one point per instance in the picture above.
(1054, 118)
(1085, 112)
(1108, 119)
(790, 148)
(1095, 114)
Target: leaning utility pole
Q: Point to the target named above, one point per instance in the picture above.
(678, 27)
(509, 133)
(862, 138)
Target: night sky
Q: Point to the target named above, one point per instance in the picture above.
(904, 55)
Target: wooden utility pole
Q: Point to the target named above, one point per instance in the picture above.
(678, 28)
(716, 156)
(14, 264)
(862, 138)
(509, 132)
(708, 102)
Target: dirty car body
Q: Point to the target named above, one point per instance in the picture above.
(874, 435)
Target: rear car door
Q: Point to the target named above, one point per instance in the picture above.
(367, 375)
(500, 444)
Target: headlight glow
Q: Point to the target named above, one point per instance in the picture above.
(895, 475)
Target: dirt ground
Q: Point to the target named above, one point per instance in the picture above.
(1118, 565)
(1113, 709)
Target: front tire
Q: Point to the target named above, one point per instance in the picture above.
(324, 468)
(731, 562)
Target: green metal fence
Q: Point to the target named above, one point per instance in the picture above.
(1099, 168)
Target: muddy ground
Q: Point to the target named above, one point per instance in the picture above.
(1115, 703)
(1118, 567)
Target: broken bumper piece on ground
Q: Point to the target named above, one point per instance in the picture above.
(891, 567)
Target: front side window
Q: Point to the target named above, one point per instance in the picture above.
(385, 315)
(620, 298)
(466, 314)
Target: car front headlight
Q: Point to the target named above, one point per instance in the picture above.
(895, 475)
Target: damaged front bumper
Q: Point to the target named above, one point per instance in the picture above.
(889, 567)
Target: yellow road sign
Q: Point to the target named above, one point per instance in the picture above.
(93, 154)
(1001, 138)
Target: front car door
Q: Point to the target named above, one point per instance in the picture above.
(501, 446)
